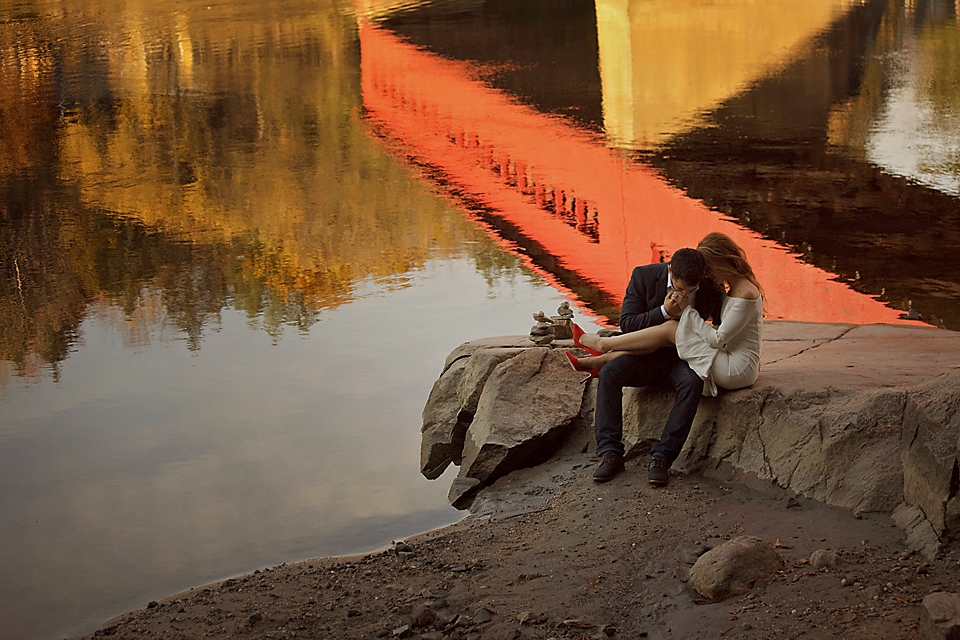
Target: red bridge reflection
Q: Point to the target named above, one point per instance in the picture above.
(596, 212)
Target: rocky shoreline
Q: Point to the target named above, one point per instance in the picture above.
(551, 554)
(856, 416)
(846, 426)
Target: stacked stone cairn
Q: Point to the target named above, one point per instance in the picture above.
(548, 329)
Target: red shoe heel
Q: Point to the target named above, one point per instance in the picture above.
(577, 332)
(575, 363)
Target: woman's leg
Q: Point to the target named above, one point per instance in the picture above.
(637, 342)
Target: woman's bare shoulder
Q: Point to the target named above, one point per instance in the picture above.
(745, 290)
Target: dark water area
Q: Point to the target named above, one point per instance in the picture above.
(777, 163)
(237, 240)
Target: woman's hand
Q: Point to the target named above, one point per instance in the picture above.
(680, 299)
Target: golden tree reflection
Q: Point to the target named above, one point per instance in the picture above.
(194, 157)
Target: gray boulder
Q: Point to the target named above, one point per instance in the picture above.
(931, 474)
(837, 446)
(837, 414)
(921, 535)
(527, 406)
(453, 400)
(940, 616)
(443, 430)
(824, 559)
(733, 568)
(467, 349)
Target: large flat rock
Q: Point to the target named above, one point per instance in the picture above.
(805, 356)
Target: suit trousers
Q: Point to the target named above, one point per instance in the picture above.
(663, 367)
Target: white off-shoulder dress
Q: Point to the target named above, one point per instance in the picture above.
(728, 355)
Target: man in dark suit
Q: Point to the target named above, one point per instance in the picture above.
(647, 304)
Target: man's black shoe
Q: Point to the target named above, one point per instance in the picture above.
(657, 472)
(610, 465)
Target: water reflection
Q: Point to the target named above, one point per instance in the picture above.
(796, 159)
(906, 116)
(221, 235)
(779, 144)
(665, 64)
(593, 211)
(145, 472)
(223, 302)
(212, 167)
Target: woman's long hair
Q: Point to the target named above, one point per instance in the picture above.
(725, 257)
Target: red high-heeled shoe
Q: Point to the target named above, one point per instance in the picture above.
(577, 332)
(575, 363)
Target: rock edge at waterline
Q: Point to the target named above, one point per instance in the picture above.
(856, 416)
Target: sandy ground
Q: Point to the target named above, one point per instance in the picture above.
(551, 554)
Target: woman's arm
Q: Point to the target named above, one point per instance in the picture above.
(734, 320)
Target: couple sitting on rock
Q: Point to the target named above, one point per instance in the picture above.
(666, 337)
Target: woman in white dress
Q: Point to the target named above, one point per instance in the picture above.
(727, 356)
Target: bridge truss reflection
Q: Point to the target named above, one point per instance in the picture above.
(590, 210)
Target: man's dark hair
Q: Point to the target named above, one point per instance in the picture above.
(687, 265)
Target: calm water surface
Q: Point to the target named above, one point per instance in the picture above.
(238, 239)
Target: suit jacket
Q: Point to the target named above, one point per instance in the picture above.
(648, 290)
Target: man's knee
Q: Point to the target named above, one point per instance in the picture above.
(610, 376)
(687, 381)
(625, 371)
